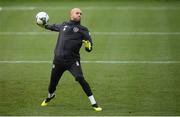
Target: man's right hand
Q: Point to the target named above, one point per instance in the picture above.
(41, 22)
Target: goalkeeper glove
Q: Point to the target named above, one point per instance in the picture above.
(87, 45)
(42, 22)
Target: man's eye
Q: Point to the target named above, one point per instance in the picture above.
(79, 13)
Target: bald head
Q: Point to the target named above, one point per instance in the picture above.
(76, 14)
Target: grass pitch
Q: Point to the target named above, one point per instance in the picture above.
(121, 89)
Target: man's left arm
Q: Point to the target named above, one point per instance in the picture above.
(87, 40)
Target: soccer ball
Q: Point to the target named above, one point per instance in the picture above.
(42, 18)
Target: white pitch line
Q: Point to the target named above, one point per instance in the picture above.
(136, 33)
(19, 62)
(10, 8)
(94, 33)
(132, 62)
(95, 62)
(27, 33)
(22, 8)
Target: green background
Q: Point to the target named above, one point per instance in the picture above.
(120, 89)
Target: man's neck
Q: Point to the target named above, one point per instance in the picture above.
(74, 22)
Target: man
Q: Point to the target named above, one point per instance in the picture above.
(71, 36)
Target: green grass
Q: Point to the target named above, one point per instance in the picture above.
(121, 89)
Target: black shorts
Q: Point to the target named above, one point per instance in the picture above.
(73, 66)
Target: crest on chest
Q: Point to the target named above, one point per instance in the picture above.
(75, 29)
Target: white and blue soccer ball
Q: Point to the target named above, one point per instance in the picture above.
(42, 18)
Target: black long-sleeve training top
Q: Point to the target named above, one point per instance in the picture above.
(69, 41)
